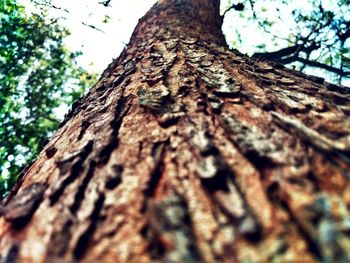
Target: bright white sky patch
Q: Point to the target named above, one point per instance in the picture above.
(99, 48)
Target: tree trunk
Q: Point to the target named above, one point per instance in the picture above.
(186, 151)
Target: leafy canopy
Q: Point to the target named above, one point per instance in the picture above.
(38, 75)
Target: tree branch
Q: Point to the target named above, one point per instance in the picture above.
(237, 7)
(288, 51)
(316, 64)
(105, 3)
(50, 5)
(276, 55)
(93, 27)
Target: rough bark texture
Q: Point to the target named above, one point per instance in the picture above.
(186, 151)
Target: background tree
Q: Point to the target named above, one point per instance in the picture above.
(185, 151)
(38, 75)
(311, 35)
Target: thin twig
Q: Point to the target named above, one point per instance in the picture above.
(93, 27)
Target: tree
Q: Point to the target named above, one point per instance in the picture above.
(315, 33)
(37, 75)
(185, 151)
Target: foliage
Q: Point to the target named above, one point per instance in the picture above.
(311, 33)
(38, 75)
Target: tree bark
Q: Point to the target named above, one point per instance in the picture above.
(186, 151)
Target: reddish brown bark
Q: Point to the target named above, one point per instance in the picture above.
(185, 151)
